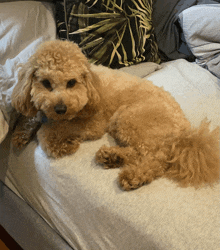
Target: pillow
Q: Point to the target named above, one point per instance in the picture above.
(28, 24)
(114, 33)
(200, 25)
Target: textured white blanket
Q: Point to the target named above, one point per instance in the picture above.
(84, 203)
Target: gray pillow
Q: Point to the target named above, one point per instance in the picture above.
(200, 26)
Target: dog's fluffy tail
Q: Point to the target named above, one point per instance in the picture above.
(195, 157)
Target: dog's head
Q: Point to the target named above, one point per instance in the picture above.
(57, 80)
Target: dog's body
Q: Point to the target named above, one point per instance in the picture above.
(83, 101)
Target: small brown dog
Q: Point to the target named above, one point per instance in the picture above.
(83, 101)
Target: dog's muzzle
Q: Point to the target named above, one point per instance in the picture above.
(60, 109)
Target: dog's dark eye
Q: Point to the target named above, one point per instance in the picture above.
(46, 84)
(71, 83)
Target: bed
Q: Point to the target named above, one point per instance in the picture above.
(73, 203)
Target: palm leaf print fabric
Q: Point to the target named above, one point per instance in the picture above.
(114, 33)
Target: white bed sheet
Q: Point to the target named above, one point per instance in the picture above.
(83, 202)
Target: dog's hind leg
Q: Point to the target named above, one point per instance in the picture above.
(137, 169)
(113, 157)
(133, 176)
(130, 137)
(144, 130)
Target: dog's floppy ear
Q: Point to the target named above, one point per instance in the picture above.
(92, 82)
(21, 97)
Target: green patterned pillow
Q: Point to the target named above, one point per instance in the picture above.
(114, 33)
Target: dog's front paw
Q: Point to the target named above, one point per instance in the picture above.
(20, 139)
(55, 144)
(58, 149)
(109, 157)
(64, 149)
(130, 178)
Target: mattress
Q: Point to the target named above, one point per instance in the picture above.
(25, 225)
(84, 203)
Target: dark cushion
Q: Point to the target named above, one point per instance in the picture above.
(114, 33)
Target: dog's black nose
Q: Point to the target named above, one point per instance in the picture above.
(60, 109)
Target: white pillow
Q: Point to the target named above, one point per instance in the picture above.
(24, 25)
(200, 26)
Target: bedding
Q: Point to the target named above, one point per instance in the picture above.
(83, 202)
(168, 33)
(202, 35)
(28, 25)
(25, 226)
